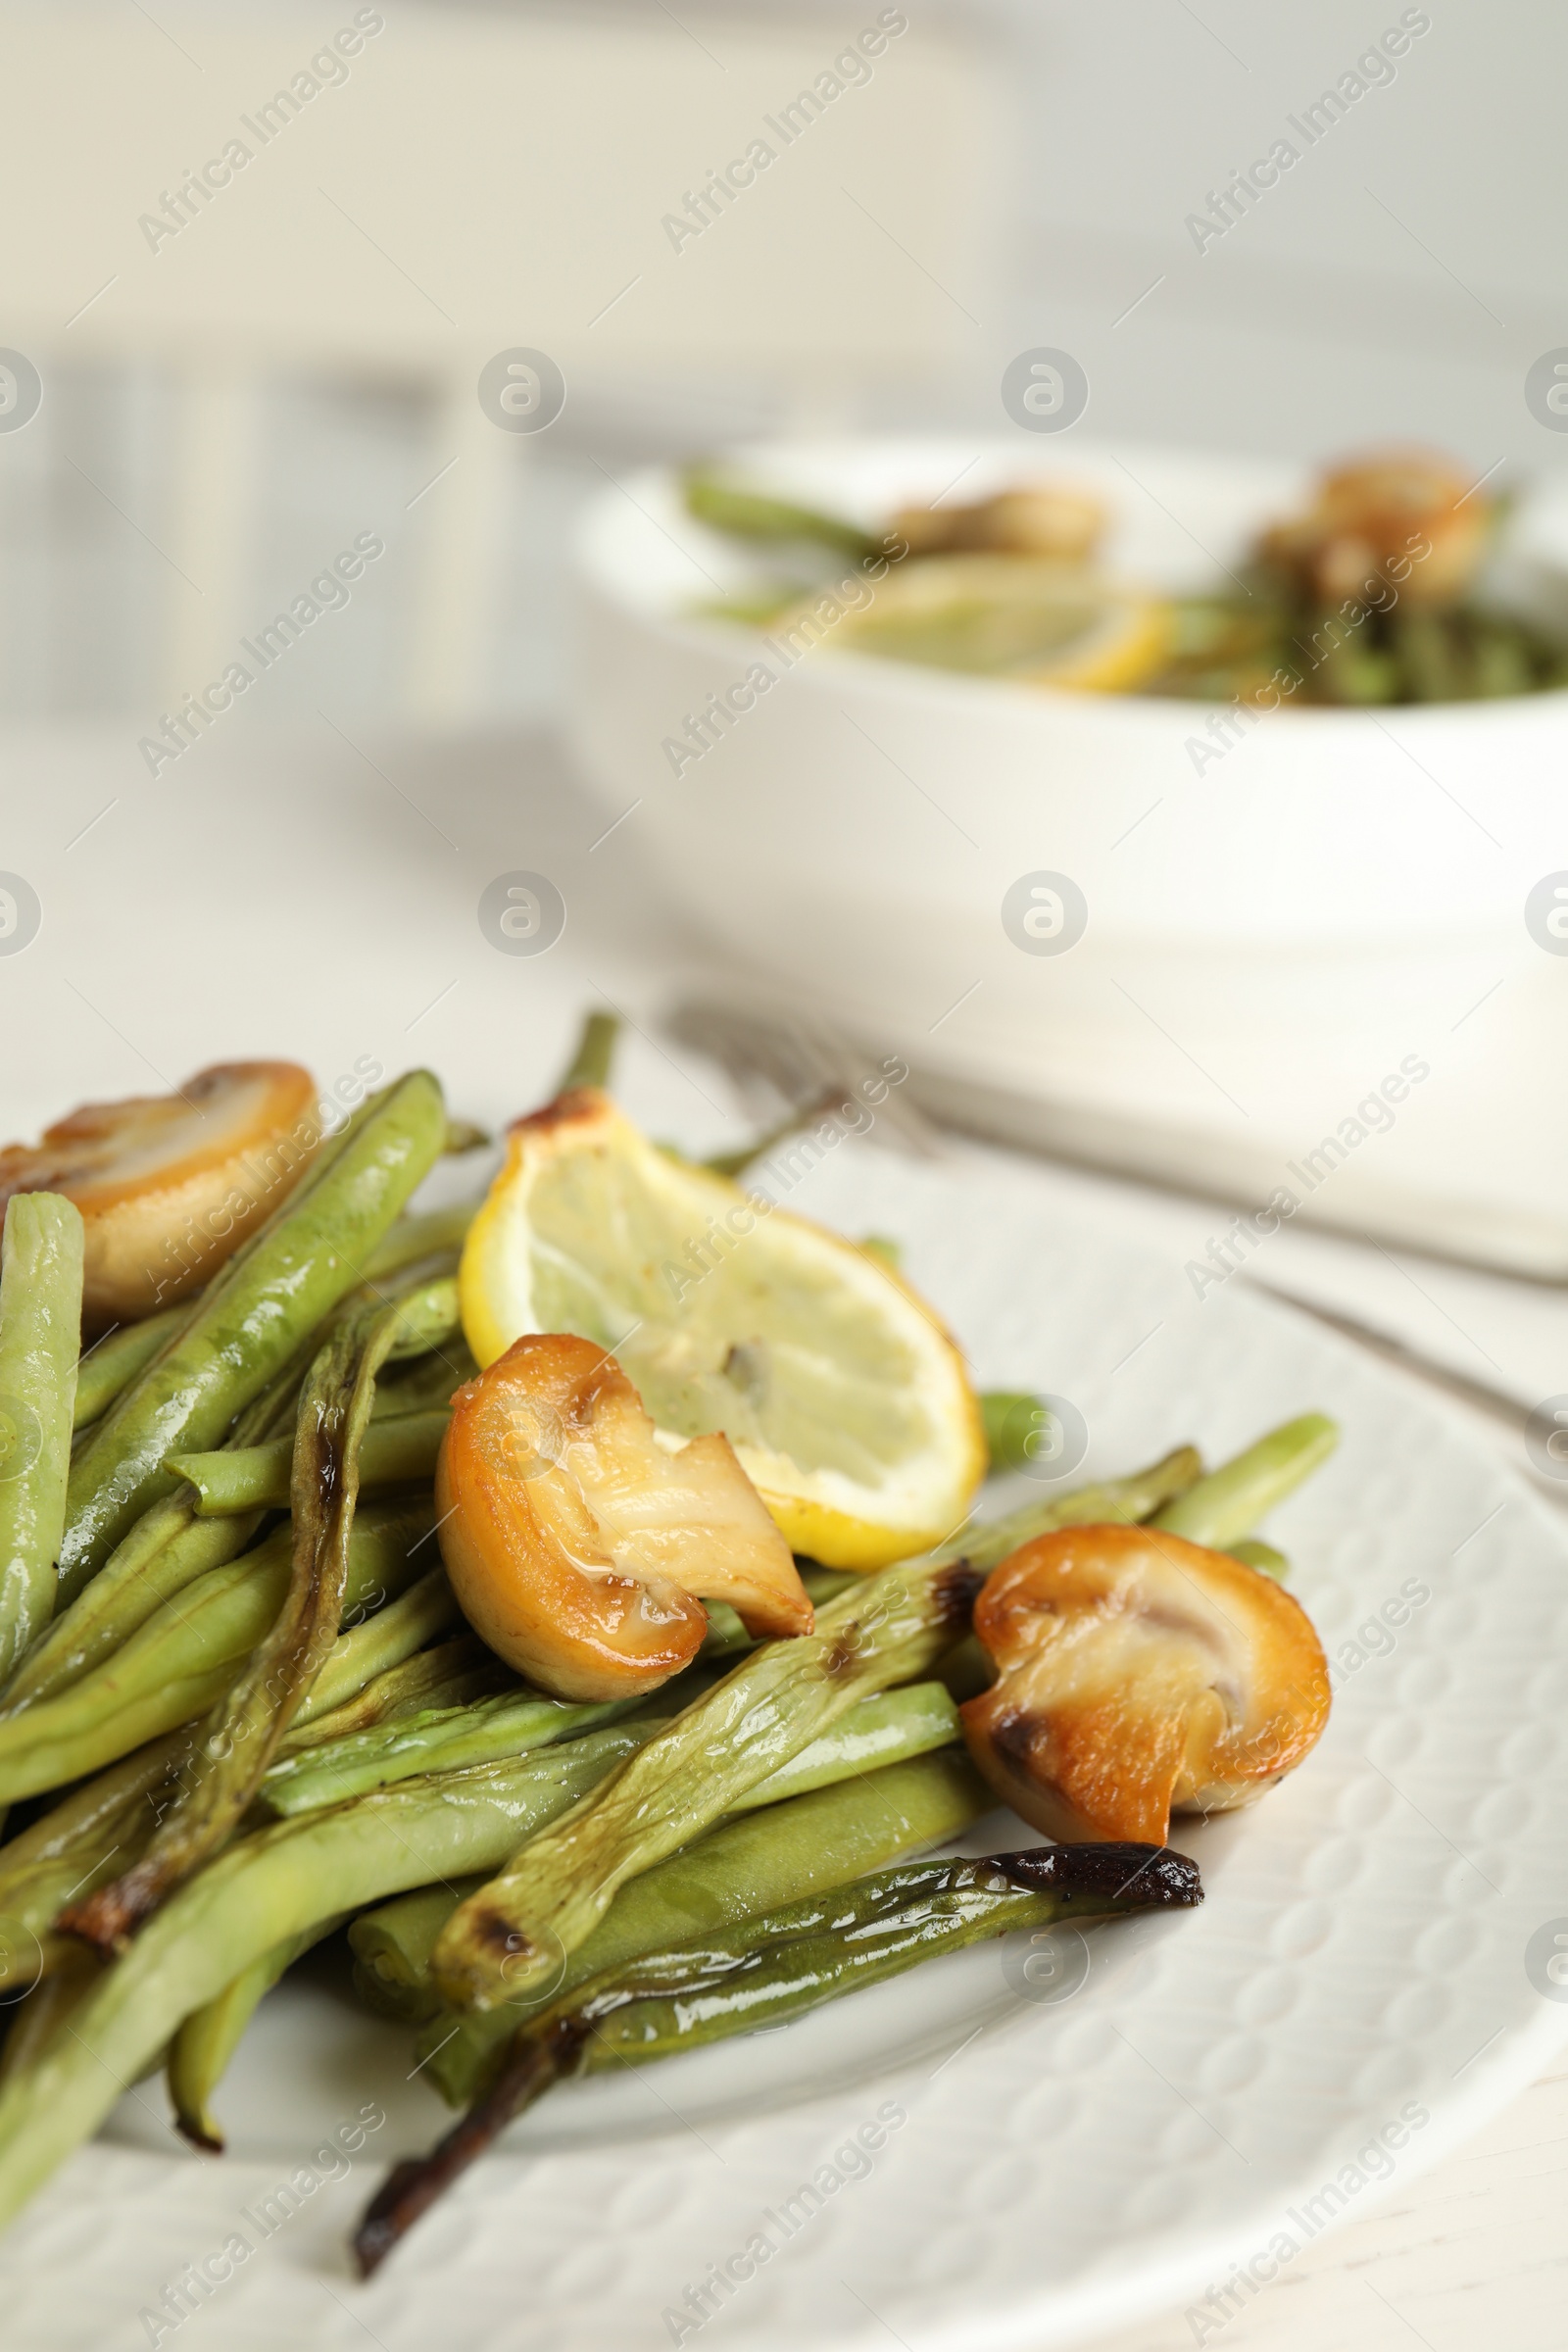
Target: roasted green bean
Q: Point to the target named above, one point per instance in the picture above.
(250, 1478)
(385, 1640)
(1013, 1421)
(411, 1240)
(744, 513)
(451, 1675)
(1229, 1502)
(1253, 1554)
(595, 1055)
(1120, 1501)
(109, 1818)
(200, 2052)
(40, 1335)
(72, 1971)
(117, 1358)
(166, 1549)
(439, 1740)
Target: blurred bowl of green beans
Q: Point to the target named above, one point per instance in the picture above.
(1212, 906)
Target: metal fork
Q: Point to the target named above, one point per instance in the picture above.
(1504, 1412)
(798, 1064)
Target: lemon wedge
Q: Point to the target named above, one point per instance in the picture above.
(844, 1400)
(1036, 621)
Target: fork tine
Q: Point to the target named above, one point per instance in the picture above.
(799, 1057)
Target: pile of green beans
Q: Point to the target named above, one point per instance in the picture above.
(188, 1654)
(235, 1734)
(894, 1724)
(764, 1969)
(1272, 640)
(282, 1671)
(252, 1897)
(773, 1854)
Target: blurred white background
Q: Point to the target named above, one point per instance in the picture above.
(298, 362)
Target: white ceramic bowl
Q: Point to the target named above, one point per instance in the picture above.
(1267, 930)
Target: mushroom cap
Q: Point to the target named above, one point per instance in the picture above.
(580, 1545)
(1399, 506)
(1138, 1674)
(169, 1185)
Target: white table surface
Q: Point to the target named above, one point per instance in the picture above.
(302, 896)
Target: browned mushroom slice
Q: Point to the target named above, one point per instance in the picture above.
(579, 1545)
(1139, 1675)
(1406, 509)
(169, 1185)
(1037, 518)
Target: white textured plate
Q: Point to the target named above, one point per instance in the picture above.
(1212, 2088)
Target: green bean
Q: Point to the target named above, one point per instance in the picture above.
(412, 1239)
(888, 1728)
(109, 1817)
(40, 1334)
(252, 1897)
(200, 2052)
(780, 1699)
(453, 1675)
(117, 1358)
(1253, 1554)
(768, 1969)
(437, 1740)
(748, 513)
(899, 1723)
(464, 1136)
(251, 1319)
(1014, 1422)
(428, 1385)
(966, 1670)
(404, 2005)
(251, 1477)
(1119, 1502)
(186, 1655)
(165, 1550)
(1230, 1502)
(1502, 654)
(392, 1946)
(595, 1055)
(393, 1969)
(381, 1644)
(70, 1974)
(804, 1845)
(892, 1629)
(735, 1163)
(250, 1717)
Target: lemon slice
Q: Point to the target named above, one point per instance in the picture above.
(1036, 622)
(844, 1400)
